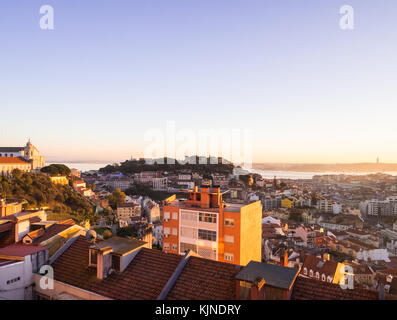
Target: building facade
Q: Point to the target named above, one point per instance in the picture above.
(213, 229)
(28, 153)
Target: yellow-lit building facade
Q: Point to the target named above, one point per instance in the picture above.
(213, 229)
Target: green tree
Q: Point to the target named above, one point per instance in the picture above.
(107, 234)
(56, 170)
(117, 197)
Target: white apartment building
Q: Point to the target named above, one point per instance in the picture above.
(376, 207)
(329, 206)
(18, 263)
(160, 183)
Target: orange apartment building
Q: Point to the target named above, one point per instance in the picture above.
(213, 229)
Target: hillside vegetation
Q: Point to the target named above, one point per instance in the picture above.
(38, 190)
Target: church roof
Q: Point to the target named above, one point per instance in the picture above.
(11, 149)
(12, 160)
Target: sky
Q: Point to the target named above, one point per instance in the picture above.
(111, 71)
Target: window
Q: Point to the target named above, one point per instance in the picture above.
(174, 247)
(167, 230)
(190, 216)
(166, 246)
(13, 280)
(93, 257)
(116, 262)
(305, 271)
(175, 215)
(229, 222)
(323, 277)
(189, 232)
(318, 275)
(207, 252)
(311, 273)
(229, 239)
(187, 246)
(167, 215)
(228, 257)
(207, 217)
(207, 235)
(329, 279)
(174, 231)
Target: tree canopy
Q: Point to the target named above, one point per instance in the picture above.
(117, 197)
(56, 170)
(38, 190)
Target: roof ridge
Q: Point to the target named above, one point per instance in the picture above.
(174, 277)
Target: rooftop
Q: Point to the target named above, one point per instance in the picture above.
(203, 279)
(19, 250)
(12, 160)
(311, 289)
(316, 264)
(274, 275)
(120, 245)
(144, 277)
(41, 234)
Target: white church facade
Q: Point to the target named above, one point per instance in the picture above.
(25, 158)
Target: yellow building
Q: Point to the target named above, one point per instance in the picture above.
(212, 228)
(286, 203)
(29, 153)
(9, 164)
(60, 180)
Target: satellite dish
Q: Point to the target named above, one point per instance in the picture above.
(91, 236)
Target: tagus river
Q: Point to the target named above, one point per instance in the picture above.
(267, 174)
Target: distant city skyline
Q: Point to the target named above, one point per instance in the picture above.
(309, 91)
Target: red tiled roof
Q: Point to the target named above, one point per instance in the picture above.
(5, 226)
(20, 250)
(392, 272)
(144, 278)
(313, 263)
(203, 279)
(12, 160)
(310, 289)
(68, 221)
(41, 235)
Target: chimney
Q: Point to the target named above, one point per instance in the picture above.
(326, 256)
(284, 258)
(104, 262)
(3, 207)
(205, 197)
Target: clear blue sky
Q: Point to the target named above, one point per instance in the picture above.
(110, 70)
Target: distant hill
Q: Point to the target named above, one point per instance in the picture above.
(323, 167)
(201, 165)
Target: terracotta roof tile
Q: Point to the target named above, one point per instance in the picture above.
(12, 160)
(316, 264)
(20, 250)
(310, 289)
(204, 279)
(144, 278)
